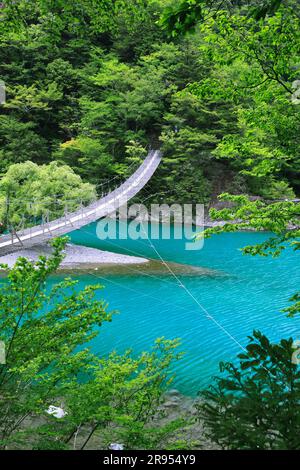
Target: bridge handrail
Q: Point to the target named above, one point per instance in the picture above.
(128, 187)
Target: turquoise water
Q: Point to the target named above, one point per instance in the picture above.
(247, 293)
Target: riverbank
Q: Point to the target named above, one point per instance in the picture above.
(174, 406)
(82, 259)
(76, 257)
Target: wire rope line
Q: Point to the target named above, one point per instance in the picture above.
(182, 285)
(105, 183)
(203, 309)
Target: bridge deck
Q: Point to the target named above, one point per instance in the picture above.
(83, 216)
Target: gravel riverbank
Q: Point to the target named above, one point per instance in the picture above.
(75, 257)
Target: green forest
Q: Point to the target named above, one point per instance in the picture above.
(93, 92)
(91, 86)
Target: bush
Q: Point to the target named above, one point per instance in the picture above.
(256, 405)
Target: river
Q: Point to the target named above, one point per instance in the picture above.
(241, 293)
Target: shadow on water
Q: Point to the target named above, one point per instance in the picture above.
(151, 268)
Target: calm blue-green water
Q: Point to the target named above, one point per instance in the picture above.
(250, 295)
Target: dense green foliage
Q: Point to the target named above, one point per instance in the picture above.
(29, 192)
(91, 85)
(114, 397)
(281, 218)
(255, 52)
(255, 405)
(84, 86)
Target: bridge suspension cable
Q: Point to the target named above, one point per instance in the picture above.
(102, 207)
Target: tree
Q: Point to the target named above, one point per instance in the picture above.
(96, 17)
(29, 192)
(20, 142)
(191, 132)
(256, 64)
(178, 19)
(88, 157)
(254, 68)
(281, 218)
(27, 100)
(255, 405)
(46, 332)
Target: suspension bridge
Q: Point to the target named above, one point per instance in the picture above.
(108, 204)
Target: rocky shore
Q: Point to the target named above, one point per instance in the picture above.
(75, 257)
(174, 406)
(84, 259)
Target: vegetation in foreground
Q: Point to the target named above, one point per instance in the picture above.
(119, 398)
(89, 90)
(48, 363)
(255, 405)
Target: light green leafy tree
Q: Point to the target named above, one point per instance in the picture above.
(46, 331)
(254, 55)
(29, 192)
(97, 16)
(88, 157)
(183, 17)
(27, 100)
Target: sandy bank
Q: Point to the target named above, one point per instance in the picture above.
(83, 259)
(76, 257)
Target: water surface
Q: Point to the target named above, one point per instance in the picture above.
(246, 293)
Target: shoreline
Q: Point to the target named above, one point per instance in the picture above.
(76, 257)
(173, 406)
(81, 259)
